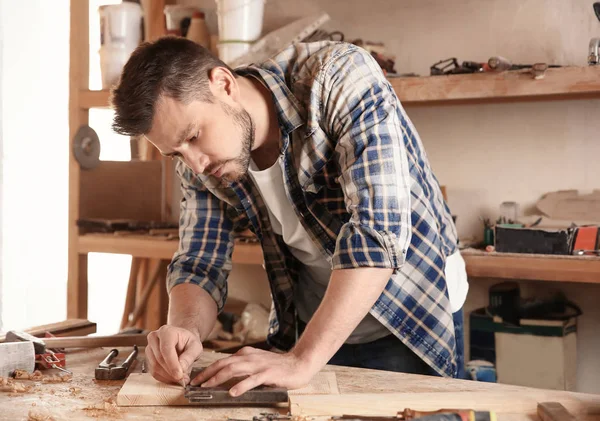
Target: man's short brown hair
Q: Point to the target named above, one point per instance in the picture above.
(171, 66)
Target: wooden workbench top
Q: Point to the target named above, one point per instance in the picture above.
(84, 398)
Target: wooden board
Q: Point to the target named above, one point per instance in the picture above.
(143, 390)
(388, 404)
(122, 190)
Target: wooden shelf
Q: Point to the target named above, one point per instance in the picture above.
(539, 267)
(561, 83)
(149, 247)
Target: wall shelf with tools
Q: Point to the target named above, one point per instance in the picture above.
(567, 83)
(535, 267)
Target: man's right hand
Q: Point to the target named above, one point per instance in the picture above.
(170, 353)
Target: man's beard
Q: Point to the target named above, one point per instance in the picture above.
(243, 119)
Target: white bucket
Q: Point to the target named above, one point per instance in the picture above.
(112, 61)
(229, 51)
(240, 20)
(121, 24)
(174, 14)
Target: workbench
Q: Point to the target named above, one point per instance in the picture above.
(67, 401)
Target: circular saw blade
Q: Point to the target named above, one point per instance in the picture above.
(86, 147)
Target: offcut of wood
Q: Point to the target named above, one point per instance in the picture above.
(141, 389)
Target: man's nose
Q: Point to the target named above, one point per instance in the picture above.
(196, 161)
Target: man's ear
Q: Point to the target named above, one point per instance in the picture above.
(223, 83)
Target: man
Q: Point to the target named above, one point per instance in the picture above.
(313, 152)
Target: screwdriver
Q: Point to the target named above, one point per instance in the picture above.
(439, 415)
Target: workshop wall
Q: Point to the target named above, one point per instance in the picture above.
(486, 154)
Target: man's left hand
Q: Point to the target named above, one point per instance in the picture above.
(261, 367)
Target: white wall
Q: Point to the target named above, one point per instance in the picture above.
(486, 154)
(35, 161)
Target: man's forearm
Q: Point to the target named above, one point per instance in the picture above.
(349, 296)
(192, 308)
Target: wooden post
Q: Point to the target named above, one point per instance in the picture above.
(78, 79)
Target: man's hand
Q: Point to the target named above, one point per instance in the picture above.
(261, 367)
(170, 353)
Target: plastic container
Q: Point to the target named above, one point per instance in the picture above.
(174, 14)
(121, 25)
(112, 60)
(240, 20)
(198, 31)
(229, 51)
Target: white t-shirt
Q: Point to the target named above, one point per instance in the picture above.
(316, 268)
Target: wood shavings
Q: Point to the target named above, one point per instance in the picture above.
(39, 415)
(10, 386)
(107, 408)
(24, 375)
(57, 378)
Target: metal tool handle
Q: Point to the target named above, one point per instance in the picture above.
(130, 358)
(107, 362)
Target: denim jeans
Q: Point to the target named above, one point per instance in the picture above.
(389, 353)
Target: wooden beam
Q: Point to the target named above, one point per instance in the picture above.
(94, 99)
(561, 83)
(78, 80)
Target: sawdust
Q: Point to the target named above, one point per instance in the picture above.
(39, 415)
(108, 408)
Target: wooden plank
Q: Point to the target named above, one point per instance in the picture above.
(584, 269)
(147, 246)
(122, 190)
(562, 83)
(78, 80)
(388, 404)
(143, 390)
(71, 327)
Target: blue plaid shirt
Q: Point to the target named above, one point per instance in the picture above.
(357, 176)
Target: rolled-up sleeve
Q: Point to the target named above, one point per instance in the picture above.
(361, 111)
(205, 240)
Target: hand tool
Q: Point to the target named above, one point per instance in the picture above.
(52, 359)
(259, 396)
(108, 370)
(40, 344)
(219, 395)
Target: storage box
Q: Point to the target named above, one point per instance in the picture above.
(534, 240)
(538, 353)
